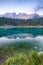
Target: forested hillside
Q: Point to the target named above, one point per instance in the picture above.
(21, 22)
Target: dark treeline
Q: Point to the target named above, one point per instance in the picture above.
(20, 22)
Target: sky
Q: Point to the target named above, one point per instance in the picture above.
(21, 6)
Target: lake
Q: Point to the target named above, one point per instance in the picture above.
(31, 36)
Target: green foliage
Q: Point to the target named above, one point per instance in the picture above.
(40, 56)
(14, 54)
(34, 58)
(20, 60)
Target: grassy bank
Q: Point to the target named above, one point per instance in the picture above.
(16, 54)
(33, 58)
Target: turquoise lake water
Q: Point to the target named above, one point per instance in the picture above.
(31, 36)
(11, 31)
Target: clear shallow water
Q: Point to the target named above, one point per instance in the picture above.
(32, 36)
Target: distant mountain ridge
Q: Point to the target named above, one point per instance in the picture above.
(21, 16)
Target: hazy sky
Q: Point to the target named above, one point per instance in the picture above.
(23, 6)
